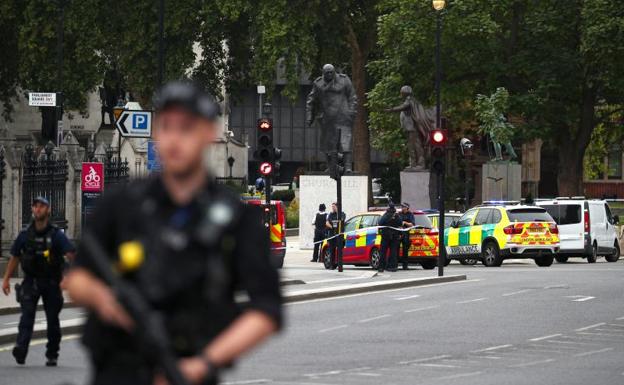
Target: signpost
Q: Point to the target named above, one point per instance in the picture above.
(42, 99)
(135, 124)
(92, 185)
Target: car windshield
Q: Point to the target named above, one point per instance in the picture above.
(564, 214)
(422, 221)
(529, 215)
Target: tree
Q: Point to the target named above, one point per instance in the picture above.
(10, 14)
(560, 62)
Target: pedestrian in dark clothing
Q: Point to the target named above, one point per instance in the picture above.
(390, 238)
(408, 221)
(41, 249)
(320, 230)
(332, 224)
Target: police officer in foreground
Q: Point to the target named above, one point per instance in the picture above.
(333, 228)
(390, 237)
(407, 221)
(320, 220)
(41, 249)
(201, 244)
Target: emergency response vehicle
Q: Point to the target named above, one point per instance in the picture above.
(494, 232)
(275, 214)
(362, 237)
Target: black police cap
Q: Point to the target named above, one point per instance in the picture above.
(188, 95)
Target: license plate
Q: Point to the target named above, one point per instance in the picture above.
(536, 230)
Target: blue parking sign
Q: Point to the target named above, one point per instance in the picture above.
(153, 162)
(139, 121)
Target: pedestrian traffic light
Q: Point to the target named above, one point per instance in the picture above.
(277, 155)
(264, 149)
(438, 139)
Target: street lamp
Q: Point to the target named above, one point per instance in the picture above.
(439, 5)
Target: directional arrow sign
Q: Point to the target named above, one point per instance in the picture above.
(266, 168)
(135, 124)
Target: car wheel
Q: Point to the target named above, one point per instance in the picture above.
(616, 254)
(429, 265)
(544, 261)
(374, 258)
(561, 259)
(468, 261)
(594, 255)
(491, 255)
(447, 262)
(327, 259)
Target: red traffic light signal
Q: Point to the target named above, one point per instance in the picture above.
(438, 137)
(265, 125)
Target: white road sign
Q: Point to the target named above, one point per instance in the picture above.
(135, 124)
(42, 99)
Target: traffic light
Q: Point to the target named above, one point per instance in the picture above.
(277, 155)
(336, 165)
(264, 150)
(438, 139)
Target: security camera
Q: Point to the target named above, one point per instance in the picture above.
(466, 146)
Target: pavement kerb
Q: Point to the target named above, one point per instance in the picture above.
(336, 291)
(72, 326)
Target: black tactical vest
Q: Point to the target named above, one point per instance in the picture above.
(38, 259)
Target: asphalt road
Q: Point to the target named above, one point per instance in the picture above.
(518, 324)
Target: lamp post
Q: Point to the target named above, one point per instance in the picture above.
(439, 5)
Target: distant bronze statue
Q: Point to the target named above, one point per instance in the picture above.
(332, 103)
(490, 110)
(416, 121)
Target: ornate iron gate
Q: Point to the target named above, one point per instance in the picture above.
(115, 170)
(44, 176)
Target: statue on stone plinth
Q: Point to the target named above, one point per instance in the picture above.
(332, 103)
(491, 113)
(416, 121)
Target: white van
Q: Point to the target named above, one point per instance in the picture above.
(587, 229)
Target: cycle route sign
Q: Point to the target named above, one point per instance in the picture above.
(92, 177)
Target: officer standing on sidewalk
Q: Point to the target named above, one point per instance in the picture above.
(41, 249)
(320, 220)
(390, 236)
(408, 220)
(201, 245)
(332, 225)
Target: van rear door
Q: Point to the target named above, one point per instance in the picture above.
(569, 218)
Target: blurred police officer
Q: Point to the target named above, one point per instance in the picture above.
(320, 220)
(390, 237)
(333, 228)
(407, 221)
(201, 245)
(41, 249)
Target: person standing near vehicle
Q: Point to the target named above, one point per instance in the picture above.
(390, 238)
(332, 224)
(201, 246)
(320, 220)
(41, 249)
(407, 220)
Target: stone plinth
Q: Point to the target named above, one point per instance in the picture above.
(317, 189)
(501, 181)
(415, 189)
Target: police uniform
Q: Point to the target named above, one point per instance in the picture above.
(405, 236)
(332, 218)
(320, 230)
(41, 255)
(197, 257)
(389, 239)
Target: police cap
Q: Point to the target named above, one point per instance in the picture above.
(188, 95)
(41, 199)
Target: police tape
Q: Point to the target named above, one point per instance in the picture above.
(402, 229)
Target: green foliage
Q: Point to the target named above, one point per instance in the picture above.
(283, 195)
(491, 113)
(292, 214)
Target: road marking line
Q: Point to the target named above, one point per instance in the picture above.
(374, 318)
(590, 327)
(583, 299)
(367, 374)
(491, 348)
(472, 300)
(545, 337)
(532, 363)
(460, 375)
(439, 365)
(593, 352)
(516, 292)
(332, 328)
(571, 342)
(329, 373)
(424, 359)
(555, 347)
(616, 325)
(620, 319)
(408, 297)
(422, 308)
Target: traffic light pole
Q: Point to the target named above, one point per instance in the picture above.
(441, 248)
(340, 238)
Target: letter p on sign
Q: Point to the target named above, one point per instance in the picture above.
(139, 121)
